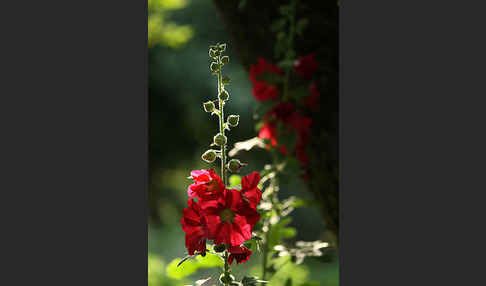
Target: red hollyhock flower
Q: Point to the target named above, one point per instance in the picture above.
(230, 219)
(312, 101)
(207, 185)
(301, 124)
(305, 66)
(194, 225)
(262, 66)
(240, 253)
(282, 111)
(269, 132)
(261, 90)
(250, 190)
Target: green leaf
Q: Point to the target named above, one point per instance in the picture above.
(184, 270)
(288, 232)
(183, 260)
(280, 231)
(235, 180)
(288, 270)
(210, 260)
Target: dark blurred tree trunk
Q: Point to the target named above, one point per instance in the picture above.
(250, 29)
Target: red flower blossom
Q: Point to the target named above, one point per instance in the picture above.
(240, 253)
(207, 185)
(282, 111)
(269, 132)
(312, 101)
(261, 67)
(261, 90)
(194, 225)
(301, 124)
(230, 219)
(250, 190)
(305, 66)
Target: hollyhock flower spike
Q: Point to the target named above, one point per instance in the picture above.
(195, 227)
(240, 253)
(207, 185)
(306, 66)
(249, 188)
(230, 219)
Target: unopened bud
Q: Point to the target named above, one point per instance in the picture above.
(209, 156)
(219, 139)
(225, 59)
(234, 165)
(222, 47)
(209, 106)
(212, 53)
(214, 67)
(225, 279)
(224, 95)
(220, 247)
(233, 120)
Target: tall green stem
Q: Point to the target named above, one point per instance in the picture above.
(223, 155)
(221, 124)
(227, 272)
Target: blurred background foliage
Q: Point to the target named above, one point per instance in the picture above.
(179, 80)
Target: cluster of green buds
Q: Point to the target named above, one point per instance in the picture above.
(216, 107)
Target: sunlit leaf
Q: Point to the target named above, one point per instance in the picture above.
(210, 260)
(184, 270)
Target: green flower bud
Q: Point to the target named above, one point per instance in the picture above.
(219, 139)
(222, 47)
(233, 120)
(212, 53)
(209, 156)
(226, 279)
(214, 67)
(225, 80)
(224, 95)
(209, 106)
(225, 60)
(220, 247)
(234, 165)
